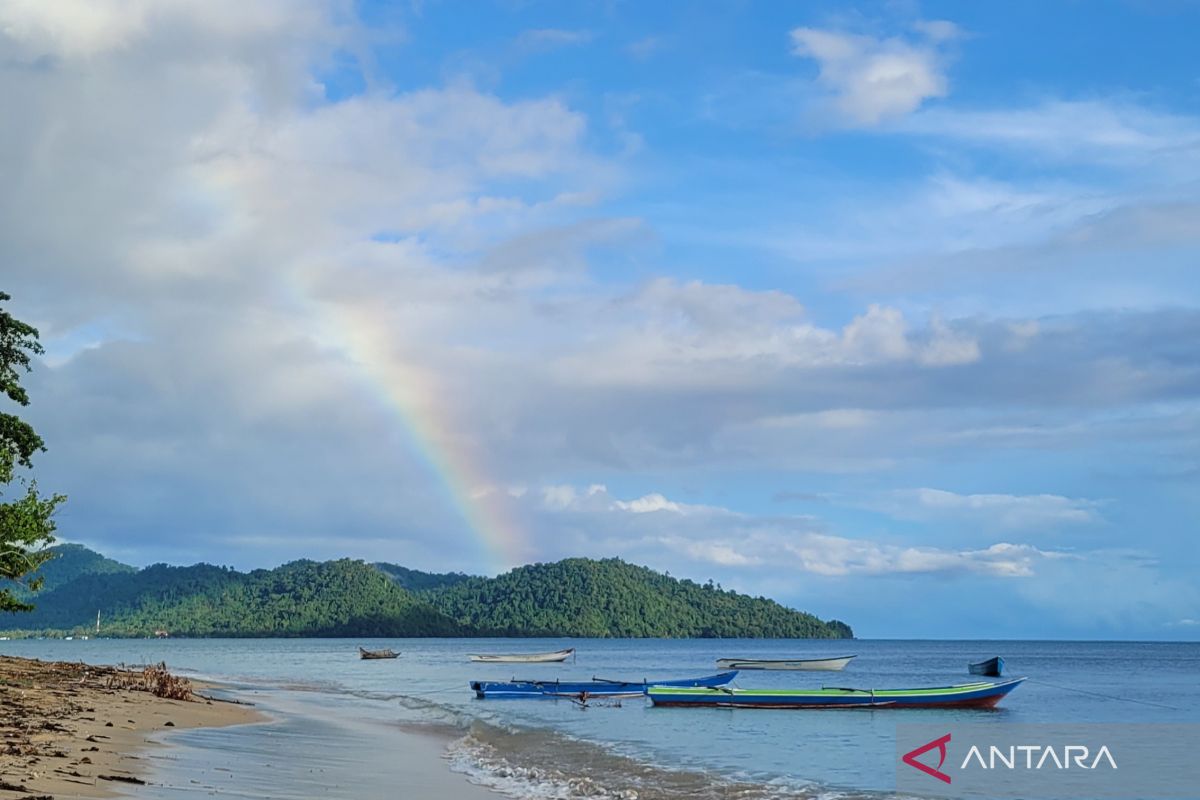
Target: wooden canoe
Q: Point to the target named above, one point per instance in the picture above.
(813, 664)
(596, 687)
(970, 695)
(992, 667)
(386, 653)
(522, 658)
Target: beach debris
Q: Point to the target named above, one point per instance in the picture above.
(122, 779)
(163, 684)
(43, 703)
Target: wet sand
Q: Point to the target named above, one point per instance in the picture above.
(314, 745)
(70, 730)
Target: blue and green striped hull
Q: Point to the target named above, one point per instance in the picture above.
(971, 695)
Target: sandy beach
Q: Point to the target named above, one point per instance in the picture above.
(75, 730)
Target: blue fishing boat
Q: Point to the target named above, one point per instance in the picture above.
(970, 695)
(596, 687)
(993, 667)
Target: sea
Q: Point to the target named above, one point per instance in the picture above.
(332, 713)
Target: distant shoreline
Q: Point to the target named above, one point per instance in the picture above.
(86, 594)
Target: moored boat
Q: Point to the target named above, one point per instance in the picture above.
(835, 664)
(522, 658)
(596, 687)
(992, 667)
(970, 695)
(369, 654)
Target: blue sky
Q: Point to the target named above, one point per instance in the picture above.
(887, 311)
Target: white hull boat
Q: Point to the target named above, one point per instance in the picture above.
(523, 658)
(811, 664)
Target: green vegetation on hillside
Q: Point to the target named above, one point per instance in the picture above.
(69, 561)
(576, 597)
(303, 598)
(583, 597)
(417, 581)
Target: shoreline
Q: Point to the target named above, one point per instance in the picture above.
(76, 730)
(70, 730)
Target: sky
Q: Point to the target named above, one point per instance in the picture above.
(888, 311)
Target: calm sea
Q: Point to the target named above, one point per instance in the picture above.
(331, 701)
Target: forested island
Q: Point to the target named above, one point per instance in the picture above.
(574, 597)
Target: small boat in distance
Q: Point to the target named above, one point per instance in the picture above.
(814, 664)
(385, 653)
(523, 658)
(970, 695)
(581, 690)
(992, 667)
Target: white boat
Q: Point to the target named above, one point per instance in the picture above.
(814, 664)
(523, 658)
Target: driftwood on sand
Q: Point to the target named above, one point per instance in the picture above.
(65, 723)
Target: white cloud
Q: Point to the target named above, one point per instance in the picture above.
(720, 536)
(838, 556)
(649, 504)
(722, 554)
(1108, 131)
(702, 335)
(874, 80)
(1034, 511)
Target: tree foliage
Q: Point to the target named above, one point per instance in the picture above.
(417, 581)
(26, 523)
(585, 597)
(576, 597)
(66, 563)
(303, 598)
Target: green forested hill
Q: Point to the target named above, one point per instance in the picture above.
(69, 562)
(304, 598)
(575, 597)
(417, 581)
(584, 597)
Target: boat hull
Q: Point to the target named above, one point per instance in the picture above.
(524, 690)
(376, 654)
(992, 667)
(522, 658)
(806, 664)
(973, 695)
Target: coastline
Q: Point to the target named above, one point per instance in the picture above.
(339, 727)
(75, 730)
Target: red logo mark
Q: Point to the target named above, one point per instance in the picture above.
(910, 758)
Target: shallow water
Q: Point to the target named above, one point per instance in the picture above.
(557, 749)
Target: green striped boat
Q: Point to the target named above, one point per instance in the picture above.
(967, 695)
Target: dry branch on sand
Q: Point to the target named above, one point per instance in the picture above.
(153, 678)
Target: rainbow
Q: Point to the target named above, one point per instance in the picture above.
(416, 397)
